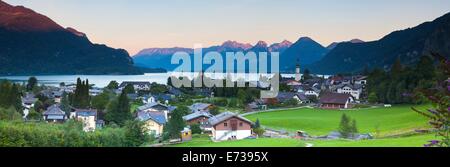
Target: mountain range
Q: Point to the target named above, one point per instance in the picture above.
(408, 45)
(305, 50)
(31, 44)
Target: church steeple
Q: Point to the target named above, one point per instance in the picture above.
(298, 76)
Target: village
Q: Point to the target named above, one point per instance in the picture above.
(221, 118)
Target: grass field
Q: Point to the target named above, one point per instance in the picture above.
(409, 141)
(382, 122)
(205, 141)
(385, 121)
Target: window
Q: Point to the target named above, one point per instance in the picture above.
(225, 124)
(241, 124)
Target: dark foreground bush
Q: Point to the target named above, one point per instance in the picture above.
(70, 134)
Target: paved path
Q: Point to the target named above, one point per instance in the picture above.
(272, 110)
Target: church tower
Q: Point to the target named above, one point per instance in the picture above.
(298, 77)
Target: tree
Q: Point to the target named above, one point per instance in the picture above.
(257, 124)
(373, 98)
(129, 89)
(9, 114)
(118, 110)
(81, 97)
(100, 101)
(439, 96)
(195, 128)
(307, 75)
(175, 125)
(214, 110)
(134, 133)
(39, 106)
(33, 115)
(344, 126)
(32, 83)
(396, 69)
(65, 103)
(169, 81)
(113, 85)
(292, 102)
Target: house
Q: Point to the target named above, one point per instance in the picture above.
(54, 114)
(137, 85)
(57, 96)
(156, 107)
(283, 97)
(308, 91)
(28, 103)
(175, 91)
(293, 83)
(362, 80)
(200, 118)
(95, 91)
(186, 134)
(153, 121)
(336, 101)
(161, 98)
(353, 89)
(201, 107)
(230, 126)
(88, 117)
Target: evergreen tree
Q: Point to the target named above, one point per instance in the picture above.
(32, 83)
(81, 97)
(113, 85)
(344, 126)
(176, 124)
(257, 124)
(65, 103)
(134, 134)
(129, 89)
(307, 75)
(118, 111)
(373, 98)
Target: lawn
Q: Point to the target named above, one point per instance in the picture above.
(204, 141)
(410, 141)
(385, 121)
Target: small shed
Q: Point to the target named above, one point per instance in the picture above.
(186, 134)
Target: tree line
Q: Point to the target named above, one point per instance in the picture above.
(400, 83)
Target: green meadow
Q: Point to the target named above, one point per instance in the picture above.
(392, 127)
(378, 121)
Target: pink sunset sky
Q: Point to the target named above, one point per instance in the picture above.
(138, 24)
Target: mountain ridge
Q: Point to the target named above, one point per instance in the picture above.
(33, 44)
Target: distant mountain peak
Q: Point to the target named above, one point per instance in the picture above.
(261, 44)
(303, 39)
(76, 32)
(236, 45)
(19, 18)
(334, 44)
(280, 47)
(356, 40)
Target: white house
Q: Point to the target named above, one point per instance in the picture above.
(354, 90)
(153, 122)
(230, 126)
(28, 103)
(156, 107)
(137, 85)
(88, 117)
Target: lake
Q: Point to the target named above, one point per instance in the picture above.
(103, 80)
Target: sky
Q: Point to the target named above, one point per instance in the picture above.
(137, 24)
